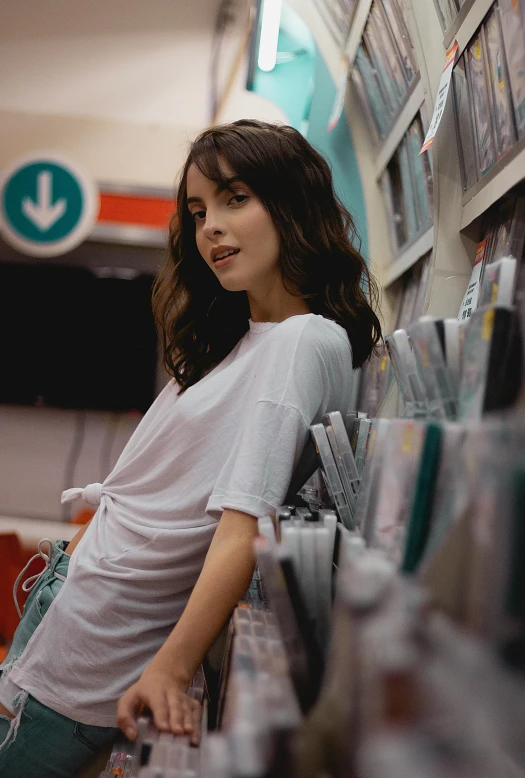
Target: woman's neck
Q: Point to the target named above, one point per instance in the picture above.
(281, 310)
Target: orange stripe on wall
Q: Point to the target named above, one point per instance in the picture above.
(141, 211)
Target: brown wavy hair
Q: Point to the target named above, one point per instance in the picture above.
(199, 321)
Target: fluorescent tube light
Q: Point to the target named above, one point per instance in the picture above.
(271, 19)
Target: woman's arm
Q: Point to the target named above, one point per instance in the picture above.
(224, 579)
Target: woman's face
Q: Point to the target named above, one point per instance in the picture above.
(234, 232)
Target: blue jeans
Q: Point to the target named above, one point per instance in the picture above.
(40, 743)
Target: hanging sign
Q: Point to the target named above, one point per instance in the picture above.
(47, 205)
(441, 99)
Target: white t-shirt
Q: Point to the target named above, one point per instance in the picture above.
(230, 441)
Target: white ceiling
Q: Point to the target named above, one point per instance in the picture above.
(132, 60)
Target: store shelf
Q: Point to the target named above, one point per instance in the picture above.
(401, 125)
(505, 174)
(467, 22)
(357, 29)
(409, 257)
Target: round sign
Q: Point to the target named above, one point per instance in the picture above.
(47, 205)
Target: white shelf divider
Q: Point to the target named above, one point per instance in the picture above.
(468, 24)
(401, 125)
(357, 29)
(508, 172)
(409, 257)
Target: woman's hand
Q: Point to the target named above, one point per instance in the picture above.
(173, 711)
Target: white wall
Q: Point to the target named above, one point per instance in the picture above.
(35, 448)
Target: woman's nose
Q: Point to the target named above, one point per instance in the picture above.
(212, 227)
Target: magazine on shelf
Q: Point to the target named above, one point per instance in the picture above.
(367, 496)
(414, 293)
(335, 420)
(386, 522)
(295, 630)
(513, 31)
(499, 89)
(447, 11)
(383, 71)
(499, 235)
(408, 189)
(418, 527)
(373, 123)
(374, 94)
(349, 490)
(464, 127)
(331, 473)
(339, 15)
(479, 101)
(440, 388)
(453, 334)
(362, 439)
(382, 31)
(421, 173)
(405, 367)
(422, 268)
(491, 370)
(377, 379)
(401, 38)
(499, 278)
(515, 245)
(447, 497)
(394, 211)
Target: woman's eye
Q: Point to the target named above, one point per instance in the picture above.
(238, 198)
(199, 215)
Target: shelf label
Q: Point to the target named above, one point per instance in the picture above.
(470, 300)
(441, 99)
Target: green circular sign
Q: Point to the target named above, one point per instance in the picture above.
(47, 206)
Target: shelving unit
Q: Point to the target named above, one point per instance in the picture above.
(402, 123)
(505, 174)
(357, 29)
(409, 257)
(466, 23)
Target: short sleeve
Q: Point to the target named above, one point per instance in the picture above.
(258, 471)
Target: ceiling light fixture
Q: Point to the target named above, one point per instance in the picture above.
(271, 19)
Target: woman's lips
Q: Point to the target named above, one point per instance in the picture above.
(225, 261)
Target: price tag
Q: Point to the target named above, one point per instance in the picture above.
(470, 300)
(441, 99)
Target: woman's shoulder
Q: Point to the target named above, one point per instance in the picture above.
(310, 334)
(324, 331)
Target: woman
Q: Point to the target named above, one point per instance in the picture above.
(263, 314)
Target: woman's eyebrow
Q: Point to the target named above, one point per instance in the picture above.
(227, 182)
(224, 184)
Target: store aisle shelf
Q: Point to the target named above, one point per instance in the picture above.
(466, 23)
(357, 29)
(409, 257)
(401, 125)
(505, 174)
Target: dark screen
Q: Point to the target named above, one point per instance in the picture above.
(71, 339)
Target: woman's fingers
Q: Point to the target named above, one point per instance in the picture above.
(172, 709)
(176, 711)
(159, 705)
(127, 707)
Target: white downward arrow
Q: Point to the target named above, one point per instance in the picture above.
(42, 213)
